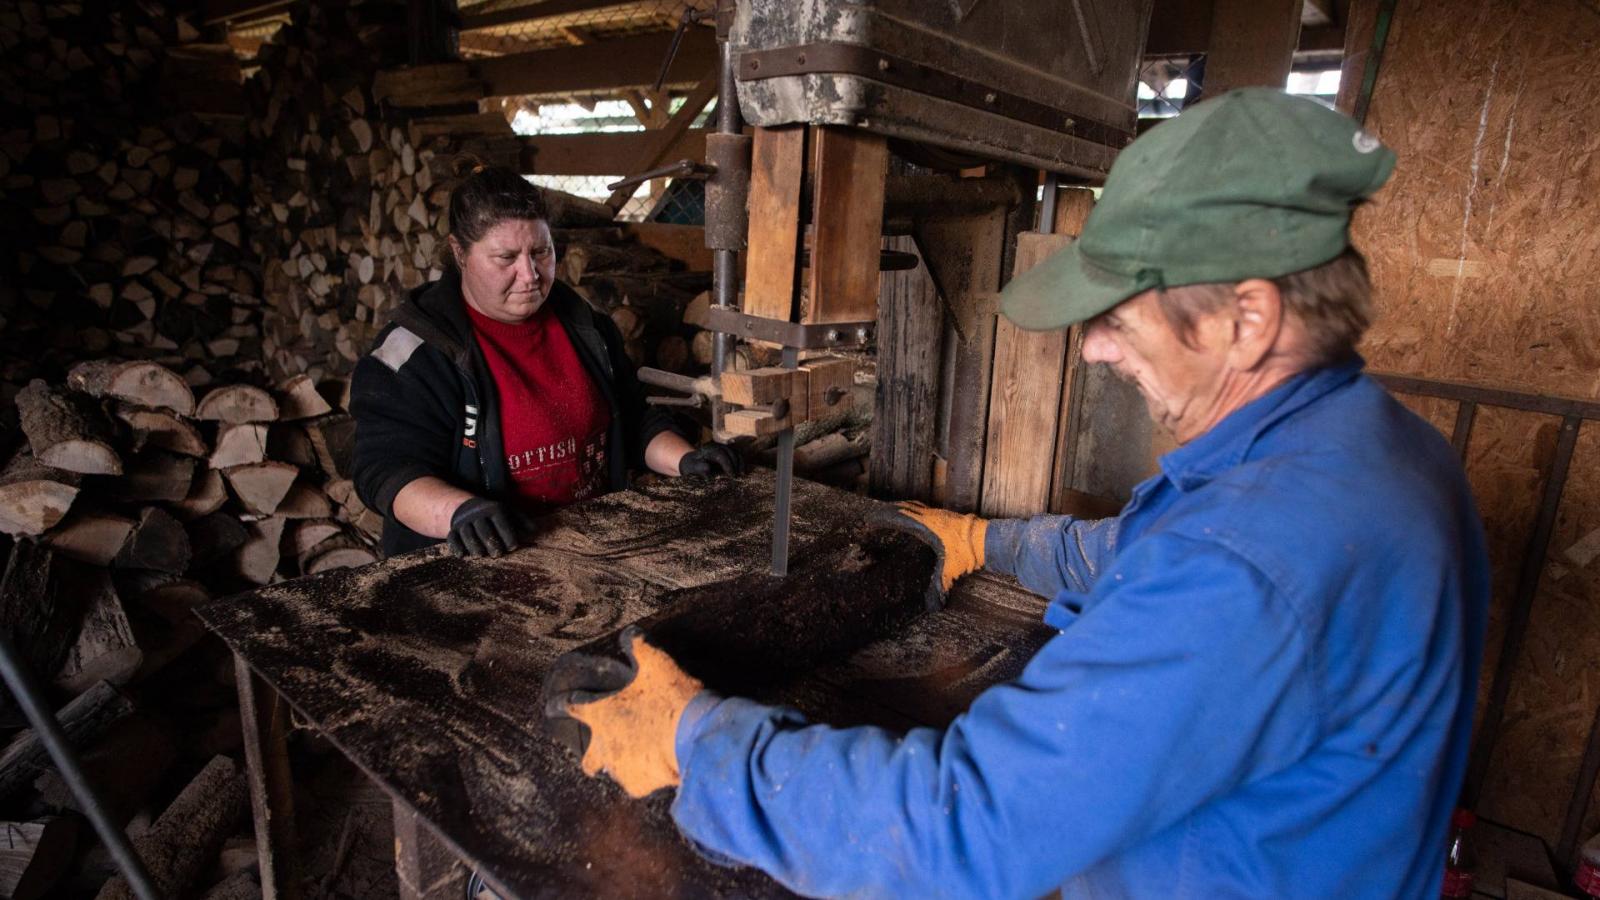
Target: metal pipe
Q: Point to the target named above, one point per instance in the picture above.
(725, 263)
(55, 742)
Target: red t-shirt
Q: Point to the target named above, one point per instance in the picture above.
(553, 419)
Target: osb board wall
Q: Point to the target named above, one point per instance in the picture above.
(1485, 252)
(1556, 688)
(1484, 244)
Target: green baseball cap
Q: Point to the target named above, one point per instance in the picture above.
(1252, 184)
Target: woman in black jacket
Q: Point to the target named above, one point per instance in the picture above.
(497, 390)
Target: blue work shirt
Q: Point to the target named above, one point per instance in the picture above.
(1262, 687)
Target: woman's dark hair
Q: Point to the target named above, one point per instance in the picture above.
(484, 197)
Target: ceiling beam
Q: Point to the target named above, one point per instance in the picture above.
(239, 12)
(534, 12)
(608, 153)
(605, 66)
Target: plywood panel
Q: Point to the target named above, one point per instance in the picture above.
(1484, 251)
(1556, 686)
(1485, 246)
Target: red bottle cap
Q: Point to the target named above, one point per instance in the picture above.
(1463, 818)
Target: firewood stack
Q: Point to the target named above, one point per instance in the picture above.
(127, 501)
(122, 212)
(121, 467)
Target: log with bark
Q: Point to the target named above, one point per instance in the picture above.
(188, 834)
(67, 431)
(137, 382)
(86, 717)
(34, 497)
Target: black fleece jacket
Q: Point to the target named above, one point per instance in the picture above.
(425, 403)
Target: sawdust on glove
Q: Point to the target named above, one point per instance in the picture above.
(960, 538)
(633, 732)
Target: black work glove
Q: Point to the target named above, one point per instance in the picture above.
(712, 459)
(583, 676)
(483, 527)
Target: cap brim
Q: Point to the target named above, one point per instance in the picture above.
(1063, 290)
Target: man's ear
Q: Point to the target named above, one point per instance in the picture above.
(1258, 320)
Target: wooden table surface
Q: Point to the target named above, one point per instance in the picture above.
(425, 671)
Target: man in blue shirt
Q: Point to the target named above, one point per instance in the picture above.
(1264, 679)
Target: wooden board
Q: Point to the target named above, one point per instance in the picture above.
(1023, 409)
(848, 167)
(968, 254)
(905, 414)
(776, 168)
(421, 669)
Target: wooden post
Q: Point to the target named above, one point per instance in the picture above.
(1023, 405)
(426, 867)
(264, 717)
(911, 324)
(1032, 373)
(1252, 43)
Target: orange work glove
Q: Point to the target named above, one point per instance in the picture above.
(960, 537)
(633, 733)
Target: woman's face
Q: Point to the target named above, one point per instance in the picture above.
(506, 275)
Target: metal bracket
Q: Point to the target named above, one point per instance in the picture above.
(790, 334)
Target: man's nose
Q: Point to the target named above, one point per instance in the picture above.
(1098, 345)
(525, 269)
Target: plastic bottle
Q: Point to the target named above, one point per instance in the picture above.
(1459, 861)
(1587, 878)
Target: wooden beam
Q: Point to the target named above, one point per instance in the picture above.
(964, 256)
(776, 167)
(662, 139)
(1252, 44)
(602, 153)
(1023, 402)
(426, 868)
(239, 12)
(1073, 206)
(848, 169)
(905, 411)
(602, 67)
(1183, 28)
(264, 720)
(535, 12)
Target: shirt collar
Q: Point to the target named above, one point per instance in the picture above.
(1228, 442)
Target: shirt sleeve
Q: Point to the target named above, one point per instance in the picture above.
(403, 430)
(1051, 554)
(1113, 732)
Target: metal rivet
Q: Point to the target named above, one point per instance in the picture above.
(755, 63)
(833, 335)
(883, 65)
(800, 58)
(1068, 124)
(862, 334)
(989, 97)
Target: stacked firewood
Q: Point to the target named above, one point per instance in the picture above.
(347, 203)
(646, 293)
(123, 209)
(121, 467)
(128, 501)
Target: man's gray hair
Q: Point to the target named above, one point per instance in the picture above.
(1333, 301)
